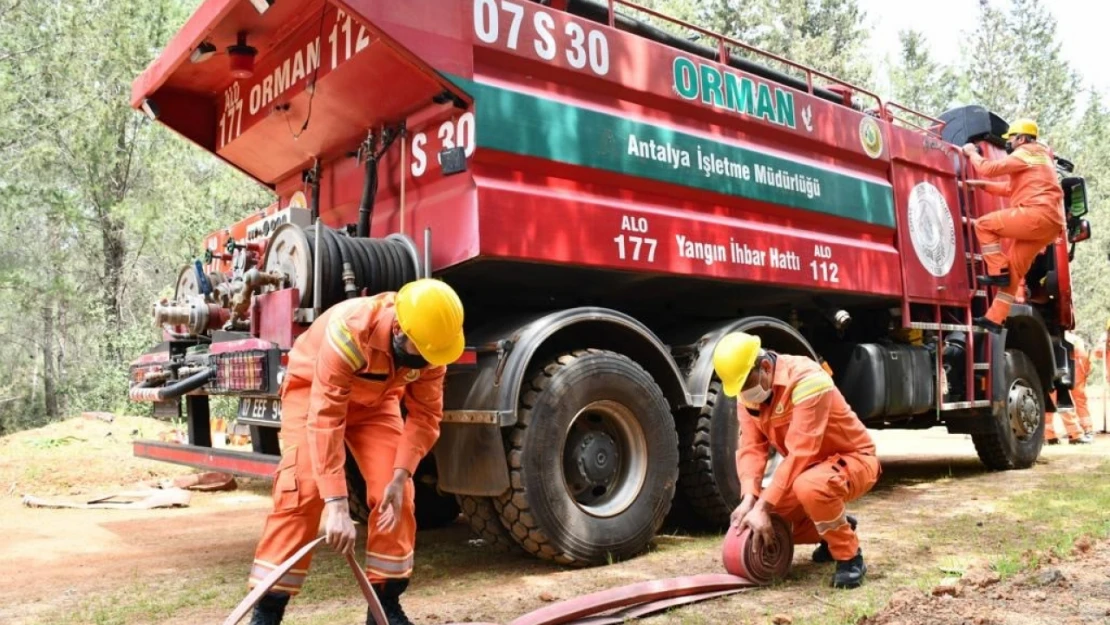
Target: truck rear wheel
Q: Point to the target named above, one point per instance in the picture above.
(486, 524)
(593, 460)
(708, 445)
(1013, 440)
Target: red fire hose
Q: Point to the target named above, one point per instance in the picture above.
(747, 568)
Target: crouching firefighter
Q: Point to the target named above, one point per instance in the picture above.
(346, 378)
(790, 403)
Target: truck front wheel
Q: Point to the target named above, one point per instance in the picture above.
(593, 460)
(1013, 439)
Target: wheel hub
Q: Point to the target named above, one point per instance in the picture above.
(604, 458)
(1023, 410)
(597, 457)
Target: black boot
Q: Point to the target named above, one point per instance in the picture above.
(270, 609)
(1002, 279)
(821, 553)
(988, 325)
(389, 594)
(850, 573)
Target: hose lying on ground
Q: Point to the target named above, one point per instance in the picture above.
(747, 567)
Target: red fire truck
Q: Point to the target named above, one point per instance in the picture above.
(609, 195)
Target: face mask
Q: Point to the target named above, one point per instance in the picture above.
(755, 395)
(402, 358)
(1009, 147)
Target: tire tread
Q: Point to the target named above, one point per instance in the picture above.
(513, 506)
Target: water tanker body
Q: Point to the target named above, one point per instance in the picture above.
(608, 199)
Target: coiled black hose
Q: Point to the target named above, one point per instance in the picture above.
(379, 265)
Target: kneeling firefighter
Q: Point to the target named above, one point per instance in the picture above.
(346, 378)
(790, 403)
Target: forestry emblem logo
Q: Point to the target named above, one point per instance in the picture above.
(871, 136)
(932, 230)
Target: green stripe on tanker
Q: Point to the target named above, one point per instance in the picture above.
(520, 123)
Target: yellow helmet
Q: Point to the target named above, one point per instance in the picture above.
(1022, 127)
(733, 359)
(430, 313)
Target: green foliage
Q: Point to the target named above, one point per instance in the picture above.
(1018, 70)
(919, 82)
(98, 206)
(828, 35)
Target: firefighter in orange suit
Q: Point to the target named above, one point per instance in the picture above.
(1077, 421)
(1071, 425)
(1034, 220)
(1079, 392)
(346, 378)
(790, 403)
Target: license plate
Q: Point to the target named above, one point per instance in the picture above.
(259, 410)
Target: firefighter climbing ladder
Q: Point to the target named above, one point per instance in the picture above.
(977, 353)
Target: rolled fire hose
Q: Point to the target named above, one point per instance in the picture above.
(747, 568)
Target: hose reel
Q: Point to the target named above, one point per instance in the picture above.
(349, 265)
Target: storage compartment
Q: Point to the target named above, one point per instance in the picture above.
(887, 381)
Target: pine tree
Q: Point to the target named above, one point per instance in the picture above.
(1090, 288)
(828, 35)
(919, 82)
(1017, 68)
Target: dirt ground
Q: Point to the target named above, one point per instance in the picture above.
(1070, 592)
(935, 514)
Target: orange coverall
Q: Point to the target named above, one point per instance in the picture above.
(1034, 220)
(1071, 424)
(1079, 390)
(828, 456)
(341, 387)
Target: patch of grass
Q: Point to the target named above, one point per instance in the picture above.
(44, 461)
(1051, 519)
(920, 536)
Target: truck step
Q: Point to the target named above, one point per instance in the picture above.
(980, 293)
(947, 327)
(974, 257)
(964, 405)
(982, 366)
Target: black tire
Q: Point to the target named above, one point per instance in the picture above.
(629, 420)
(356, 491)
(1008, 441)
(708, 445)
(433, 510)
(707, 469)
(485, 523)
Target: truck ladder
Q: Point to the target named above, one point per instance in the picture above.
(979, 299)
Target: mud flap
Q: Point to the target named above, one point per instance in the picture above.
(470, 460)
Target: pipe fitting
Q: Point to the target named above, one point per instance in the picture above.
(144, 392)
(349, 281)
(252, 281)
(197, 317)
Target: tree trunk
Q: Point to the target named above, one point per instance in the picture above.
(115, 249)
(49, 381)
(62, 332)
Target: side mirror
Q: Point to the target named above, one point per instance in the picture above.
(1075, 196)
(1079, 231)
